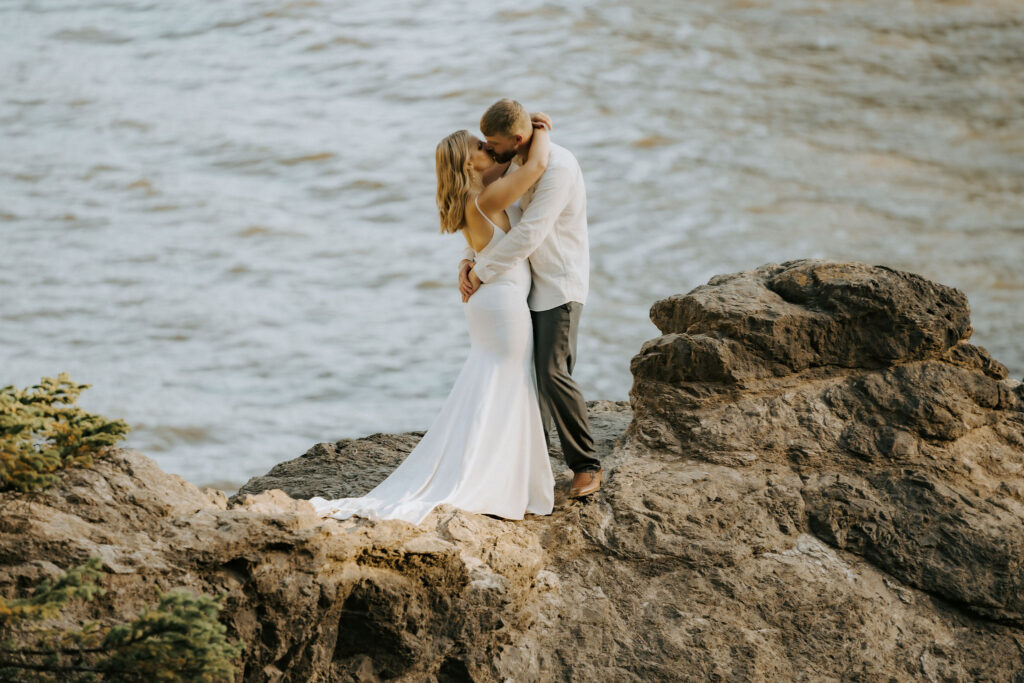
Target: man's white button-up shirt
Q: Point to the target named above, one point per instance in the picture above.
(552, 234)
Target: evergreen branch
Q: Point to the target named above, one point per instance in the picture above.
(4, 664)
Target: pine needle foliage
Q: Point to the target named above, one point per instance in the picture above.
(42, 430)
(178, 640)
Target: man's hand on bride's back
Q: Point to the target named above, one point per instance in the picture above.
(474, 284)
(466, 287)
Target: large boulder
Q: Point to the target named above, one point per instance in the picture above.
(908, 440)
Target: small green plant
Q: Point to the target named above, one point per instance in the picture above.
(42, 430)
(178, 640)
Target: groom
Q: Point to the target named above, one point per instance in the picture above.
(552, 234)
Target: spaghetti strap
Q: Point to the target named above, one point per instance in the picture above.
(476, 200)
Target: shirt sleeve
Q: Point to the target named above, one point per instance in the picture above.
(538, 220)
(468, 254)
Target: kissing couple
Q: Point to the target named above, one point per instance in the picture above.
(520, 202)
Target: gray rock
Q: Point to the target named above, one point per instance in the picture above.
(347, 468)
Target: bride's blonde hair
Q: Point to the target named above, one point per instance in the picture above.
(453, 180)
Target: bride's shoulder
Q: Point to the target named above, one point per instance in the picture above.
(477, 231)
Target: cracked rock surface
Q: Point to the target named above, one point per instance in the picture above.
(859, 380)
(817, 478)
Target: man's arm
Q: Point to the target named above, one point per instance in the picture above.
(536, 224)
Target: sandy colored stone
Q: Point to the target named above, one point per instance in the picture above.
(861, 380)
(819, 478)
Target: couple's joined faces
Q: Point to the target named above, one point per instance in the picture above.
(501, 147)
(479, 158)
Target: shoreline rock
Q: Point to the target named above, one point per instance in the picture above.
(817, 477)
(909, 440)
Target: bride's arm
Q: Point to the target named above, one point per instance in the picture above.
(500, 194)
(494, 172)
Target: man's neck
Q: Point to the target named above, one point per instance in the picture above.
(523, 151)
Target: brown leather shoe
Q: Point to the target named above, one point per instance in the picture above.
(584, 483)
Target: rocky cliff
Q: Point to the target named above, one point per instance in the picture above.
(817, 477)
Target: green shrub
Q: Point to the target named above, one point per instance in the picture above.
(42, 430)
(178, 640)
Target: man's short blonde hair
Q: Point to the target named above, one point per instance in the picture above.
(505, 117)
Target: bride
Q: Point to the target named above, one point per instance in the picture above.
(485, 450)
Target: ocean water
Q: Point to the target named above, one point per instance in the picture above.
(221, 215)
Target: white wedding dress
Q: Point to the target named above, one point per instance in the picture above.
(485, 451)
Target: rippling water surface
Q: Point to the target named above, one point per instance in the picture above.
(221, 214)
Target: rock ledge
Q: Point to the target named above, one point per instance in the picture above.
(817, 477)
